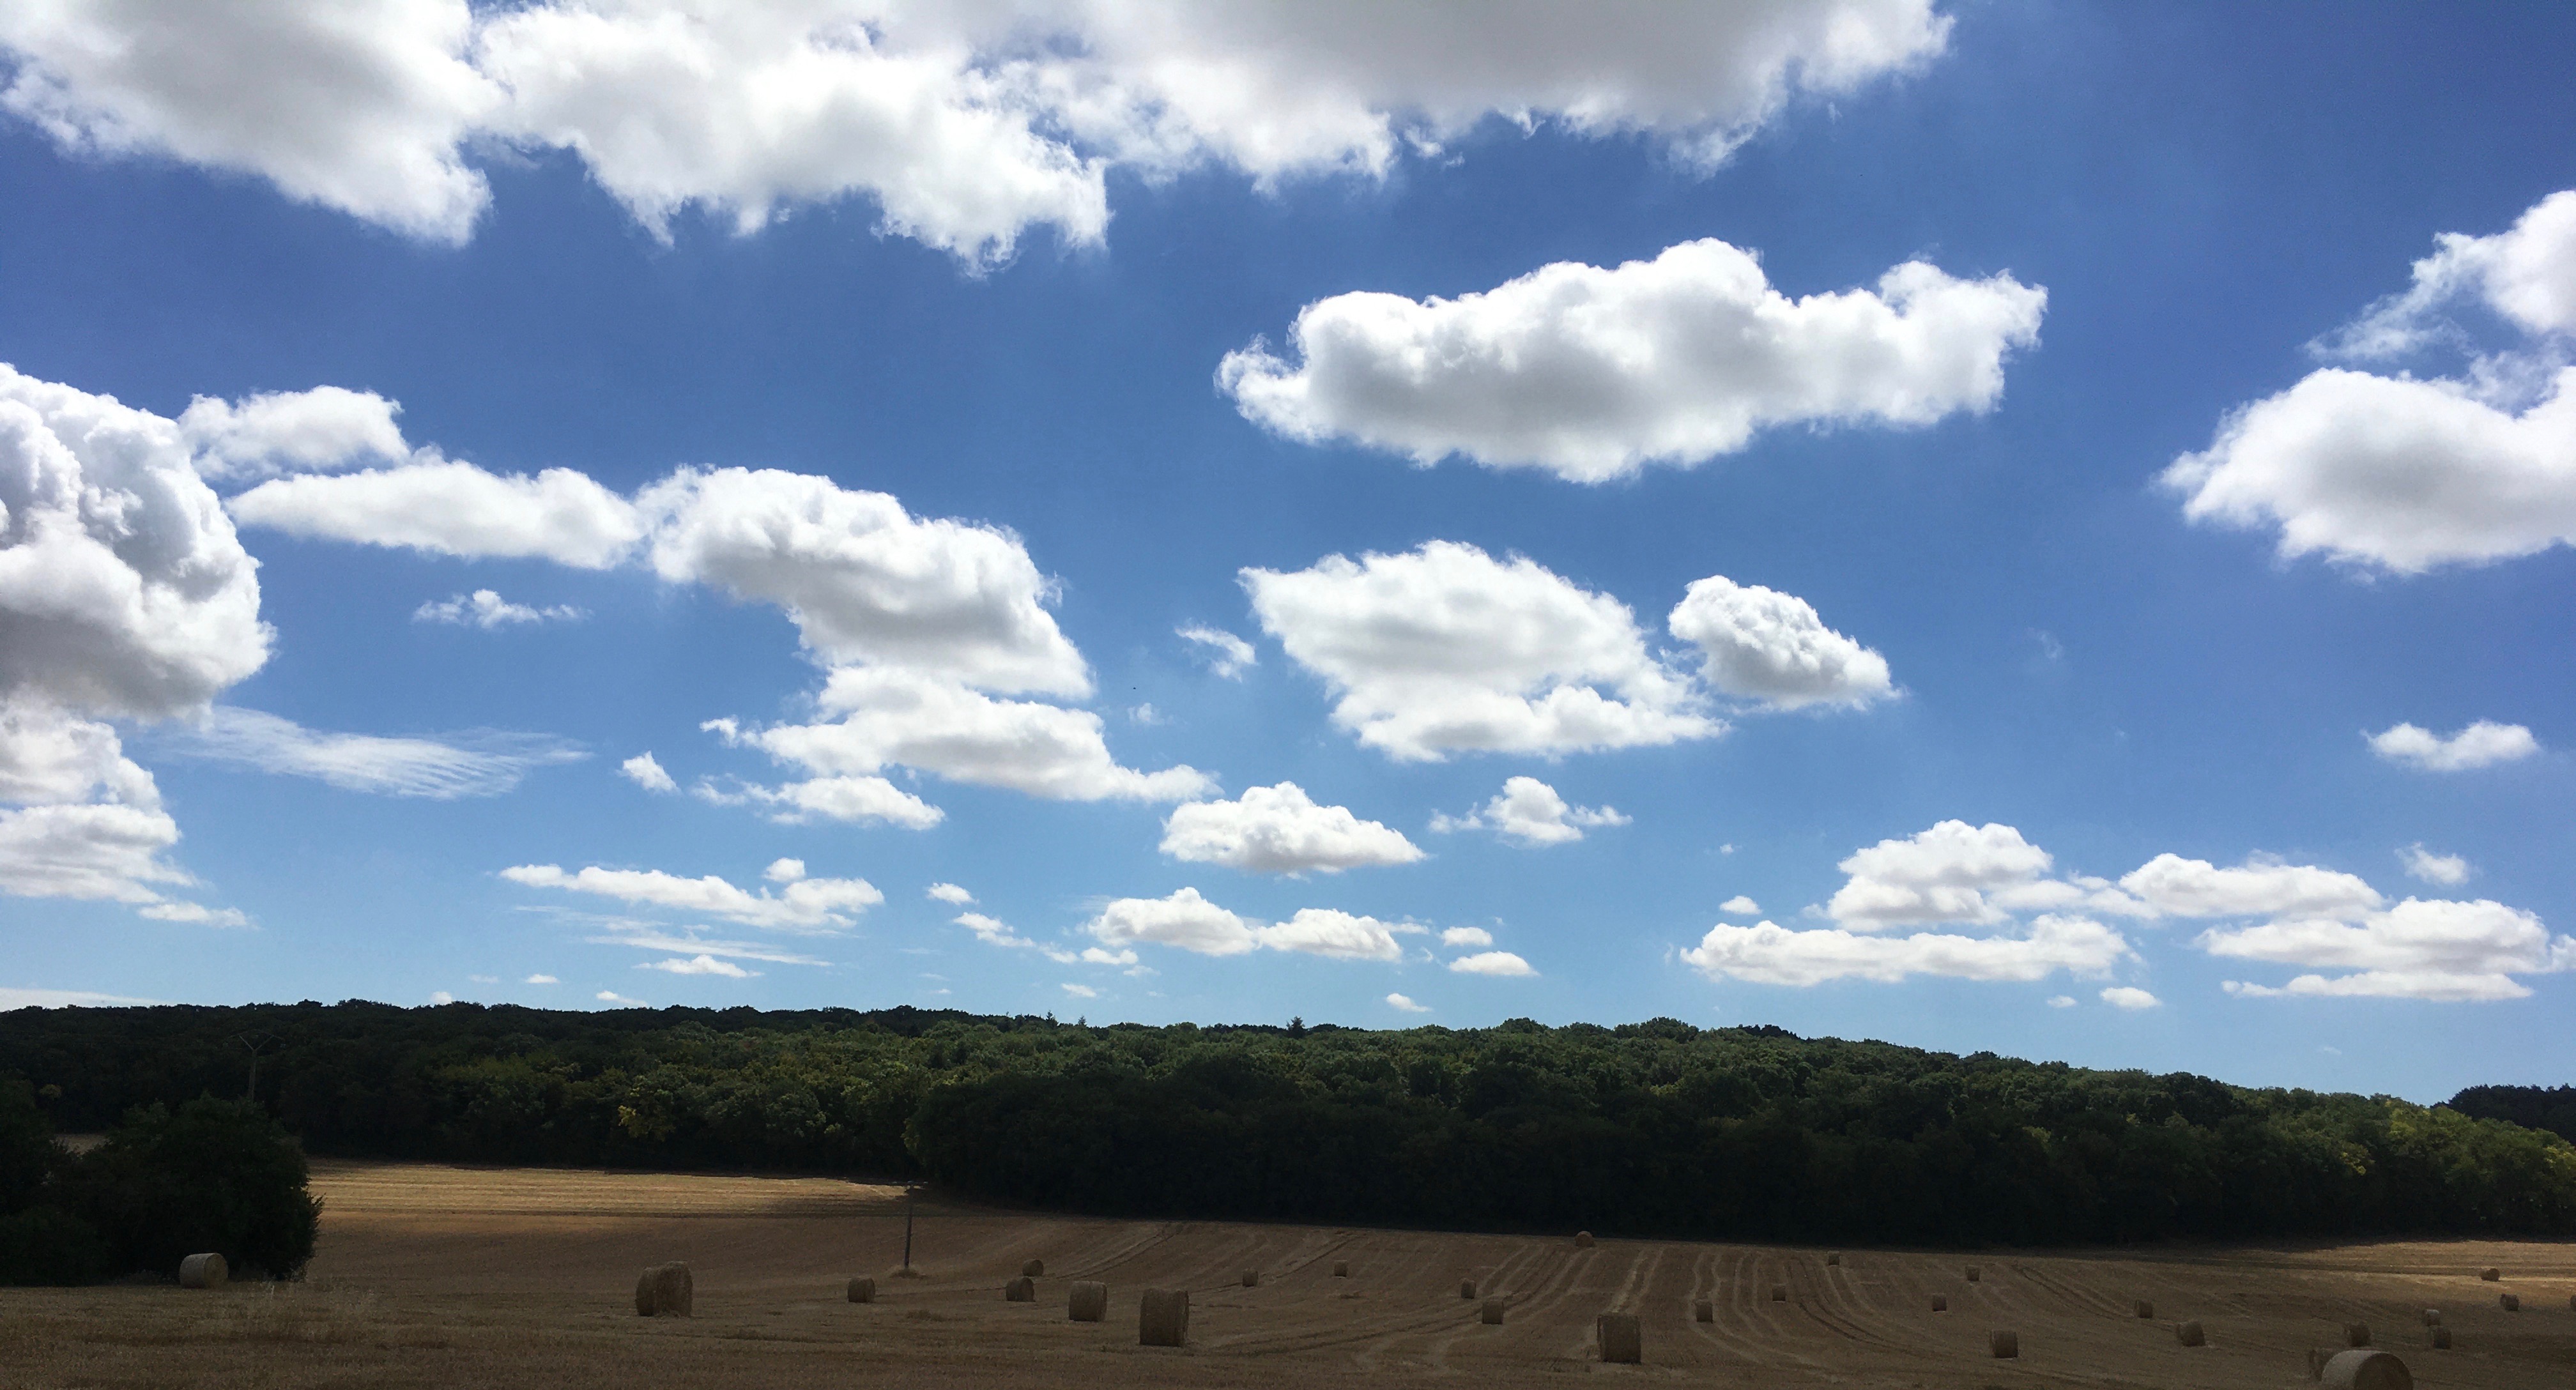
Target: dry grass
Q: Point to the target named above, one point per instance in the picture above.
(440, 1277)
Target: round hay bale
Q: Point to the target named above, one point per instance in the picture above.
(1702, 1310)
(2366, 1370)
(2510, 1302)
(1033, 1269)
(665, 1291)
(1021, 1290)
(1088, 1301)
(2441, 1339)
(1163, 1318)
(206, 1271)
(2145, 1309)
(1467, 1289)
(1491, 1313)
(1834, 1257)
(2432, 1317)
(1621, 1342)
(2004, 1343)
(1974, 1273)
(2490, 1274)
(1583, 1240)
(2190, 1334)
(863, 1289)
(1940, 1304)
(1341, 1269)
(2356, 1334)
(1779, 1293)
(1251, 1278)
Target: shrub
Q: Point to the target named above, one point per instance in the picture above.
(213, 1175)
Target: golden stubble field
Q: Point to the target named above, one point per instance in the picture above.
(438, 1276)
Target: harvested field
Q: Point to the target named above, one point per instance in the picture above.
(436, 1276)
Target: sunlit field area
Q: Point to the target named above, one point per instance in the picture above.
(440, 1276)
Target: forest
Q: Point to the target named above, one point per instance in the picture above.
(1650, 1129)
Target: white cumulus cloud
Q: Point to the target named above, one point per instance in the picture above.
(1592, 374)
(699, 965)
(851, 800)
(1739, 906)
(1501, 964)
(2129, 997)
(2406, 473)
(1445, 649)
(1227, 655)
(811, 904)
(2182, 887)
(950, 894)
(645, 770)
(1765, 645)
(1280, 830)
(963, 125)
(1770, 954)
(1466, 936)
(1530, 812)
(1403, 1003)
(487, 610)
(2482, 744)
(1184, 920)
(276, 432)
(2420, 949)
(2450, 870)
(450, 507)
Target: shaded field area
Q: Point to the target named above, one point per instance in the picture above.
(439, 1276)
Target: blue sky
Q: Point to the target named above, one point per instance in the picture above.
(2035, 528)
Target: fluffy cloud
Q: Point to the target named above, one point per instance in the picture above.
(1445, 649)
(480, 764)
(123, 589)
(2482, 744)
(1956, 872)
(1466, 936)
(2405, 473)
(2450, 870)
(1739, 906)
(1189, 922)
(487, 610)
(104, 851)
(291, 432)
(1775, 955)
(1227, 655)
(1592, 374)
(358, 106)
(644, 770)
(449, 507)
(851, 800)
(647, 936)
(2418, 949)
(806, 904)
(1403, 1003)
(950, 894)
(1500, 964)
(1530, 811)
(2183, 887)
(891, 716)
(2129, 997)
(1765, 645)
(1280, 830)
(964, 125)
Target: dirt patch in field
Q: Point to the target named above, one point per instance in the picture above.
(440, 1276)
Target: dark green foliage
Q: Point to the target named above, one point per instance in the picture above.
(28, 1153)
(212, 1175)
(2552, 1108)
(1656, 1128)
(47, 1245)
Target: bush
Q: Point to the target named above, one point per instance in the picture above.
(48, 1245)
(28, 1154)
(212, 1175)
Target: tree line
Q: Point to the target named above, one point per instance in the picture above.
(1655, 1128)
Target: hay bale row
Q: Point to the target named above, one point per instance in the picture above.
(1703, 1310)
(2190, 1334)
(665, 1291)
(2510, 1302)
(2004, 1343)
(1622, 1344)
(206, 1271)
(1583, 1240)
(863, 1289)
(1033, 1269)
(2365, 1370)
(1088, 1301)
(1021, 1290)
(1975, 1272)
(2490, 1274)
(1491, 1314)
(1163, 1318)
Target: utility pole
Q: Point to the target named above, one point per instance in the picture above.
(909, 1190)
(254, 1042)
